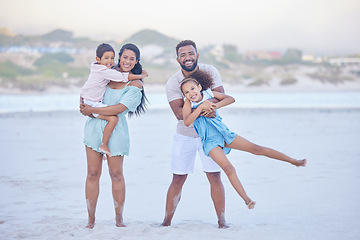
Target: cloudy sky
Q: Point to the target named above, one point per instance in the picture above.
(317, 26)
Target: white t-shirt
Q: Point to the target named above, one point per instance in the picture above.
(173, 92)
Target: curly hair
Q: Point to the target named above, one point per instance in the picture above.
(199, 77)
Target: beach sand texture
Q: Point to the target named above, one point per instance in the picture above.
(43, 170)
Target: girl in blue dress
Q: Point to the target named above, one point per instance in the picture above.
(216, 138)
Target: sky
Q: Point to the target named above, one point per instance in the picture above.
(313, 26)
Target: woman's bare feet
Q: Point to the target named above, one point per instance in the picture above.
(300, 163)
(223, 224)
(91, 223)
(119, 221)
(105, 149)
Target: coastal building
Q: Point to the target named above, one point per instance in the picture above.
(344, 61)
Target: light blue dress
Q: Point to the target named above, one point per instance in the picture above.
(119, 142)
(212, 131)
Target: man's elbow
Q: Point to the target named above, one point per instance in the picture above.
(179, 116)
(187, 124)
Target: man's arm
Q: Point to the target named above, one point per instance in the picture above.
(219, 89)
(177, 108)
(212, 113)
(190, 116)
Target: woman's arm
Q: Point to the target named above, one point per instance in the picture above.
(224, 99)
(82, 103)
(109, 110)
(189, 116)
(106, 111)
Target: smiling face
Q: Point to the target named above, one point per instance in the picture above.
(187, 58)
(127, 60)
(107, 59)
(192, 91)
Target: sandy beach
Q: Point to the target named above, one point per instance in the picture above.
(43, 170)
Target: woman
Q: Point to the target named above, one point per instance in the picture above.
(121, 98)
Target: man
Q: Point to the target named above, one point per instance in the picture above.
(186, 141)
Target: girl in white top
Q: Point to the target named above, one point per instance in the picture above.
(92, 93)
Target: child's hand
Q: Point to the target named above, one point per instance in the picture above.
(86, 110)
(207, 108)
(144, 74)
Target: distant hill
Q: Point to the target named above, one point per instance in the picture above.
(152, 37)
(61, 37)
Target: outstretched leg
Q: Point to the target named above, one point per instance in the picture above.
(173, 197)
(243, 144)
(109, 128)
(218, 197)
(218, 155)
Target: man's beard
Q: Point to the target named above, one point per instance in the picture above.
(190, 68)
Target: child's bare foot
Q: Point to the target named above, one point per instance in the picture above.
(300, 163)
(91, 223)
(251, 204)
(105, 149)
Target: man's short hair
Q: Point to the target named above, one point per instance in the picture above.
(185, 43)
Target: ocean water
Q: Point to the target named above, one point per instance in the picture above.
(70, 102)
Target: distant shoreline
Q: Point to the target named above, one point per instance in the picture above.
(157, 88)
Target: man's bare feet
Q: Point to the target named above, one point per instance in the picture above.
(105, 149)
(119, 221)
(91, 223)
(300, 163)
(223, 224)
(165, 224)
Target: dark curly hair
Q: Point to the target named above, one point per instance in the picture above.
(199, 77)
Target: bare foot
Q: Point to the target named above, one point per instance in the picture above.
(91, 223)
(251, 204)
(105, 149)
(300, 163)
(119, 221)
(223, 224)
(165, 224)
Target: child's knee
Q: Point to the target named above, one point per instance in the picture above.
(229, 169)
(114, 119)
(257, 149)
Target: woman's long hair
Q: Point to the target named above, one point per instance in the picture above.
(136, 70)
